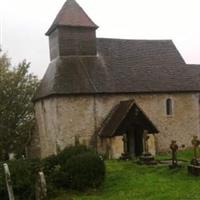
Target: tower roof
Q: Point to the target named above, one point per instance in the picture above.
(71, 14)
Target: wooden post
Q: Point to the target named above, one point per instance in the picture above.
(8, 182)
(41, 187)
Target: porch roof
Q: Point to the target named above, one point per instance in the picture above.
(124, 114)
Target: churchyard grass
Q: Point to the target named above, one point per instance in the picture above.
(128, 181)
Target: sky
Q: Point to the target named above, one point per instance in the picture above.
(24, 23)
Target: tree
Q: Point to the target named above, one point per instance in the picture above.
(17, 122)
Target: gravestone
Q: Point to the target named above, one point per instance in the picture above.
(8, 182)
(41, 187)
(194, 167)
(174, 149)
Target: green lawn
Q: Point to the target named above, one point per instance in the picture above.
(128, 181)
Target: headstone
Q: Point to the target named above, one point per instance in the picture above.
(194, 170)
(174, 150)
(194, 167)
(41, 187)
(11, 156)
(8, 182)
(195, 142)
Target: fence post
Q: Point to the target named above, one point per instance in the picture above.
(41, 187)
(8, 182)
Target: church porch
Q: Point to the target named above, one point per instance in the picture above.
(125, 132)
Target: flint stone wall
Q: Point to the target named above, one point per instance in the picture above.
(62, 119)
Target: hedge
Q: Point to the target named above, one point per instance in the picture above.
(76, 168)
(83, 171)
(23, 175)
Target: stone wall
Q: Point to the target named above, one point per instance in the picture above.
(61, 119)
(180, 126)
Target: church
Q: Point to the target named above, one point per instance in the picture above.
(108, 93)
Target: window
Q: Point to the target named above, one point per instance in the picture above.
(169, 107)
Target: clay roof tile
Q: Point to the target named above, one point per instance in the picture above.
(71, 14)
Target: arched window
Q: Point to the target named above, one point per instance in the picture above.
(169, 107)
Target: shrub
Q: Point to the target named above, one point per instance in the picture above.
(53, 166)
(75, 167)
(83, 171)
(54, 162)
(23, 176)
(66, 169)
(49, 164)
(3, 191)
(71, 151)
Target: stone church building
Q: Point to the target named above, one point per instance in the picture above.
(107, 93)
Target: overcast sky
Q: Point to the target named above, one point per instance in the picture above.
(24, 23)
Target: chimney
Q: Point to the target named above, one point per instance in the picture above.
(72, 33)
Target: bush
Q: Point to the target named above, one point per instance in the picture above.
(74, 168)
(51, 168)
(49, 164)
(72, 151)
(66, 169)
(52, 165)
(86, 170)
(3, 191)
(23, 176)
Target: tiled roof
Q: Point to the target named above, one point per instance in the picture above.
(72, 14)
(139, 52)
(118, 120)
(121, 66)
